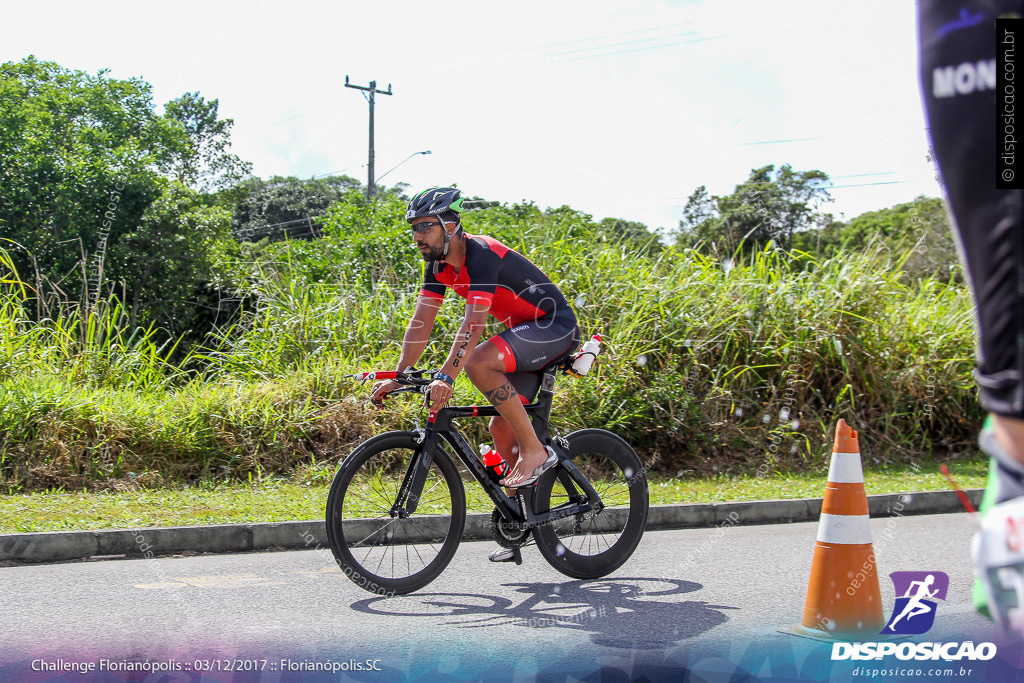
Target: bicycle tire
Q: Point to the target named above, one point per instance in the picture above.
(591, 547)
(391, 555)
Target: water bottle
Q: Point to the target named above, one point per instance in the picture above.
(585, 358)
(493, 461)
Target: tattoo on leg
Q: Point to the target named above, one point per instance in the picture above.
(503, 393)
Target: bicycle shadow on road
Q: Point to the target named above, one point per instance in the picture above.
(627, 612)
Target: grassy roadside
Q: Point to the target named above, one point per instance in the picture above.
(276, 501)
(708, 365)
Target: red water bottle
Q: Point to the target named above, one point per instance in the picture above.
(492, 460)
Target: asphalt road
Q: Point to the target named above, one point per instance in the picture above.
(699, 600)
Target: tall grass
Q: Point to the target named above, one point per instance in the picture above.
(706, 366)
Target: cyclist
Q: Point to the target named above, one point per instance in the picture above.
(494, 279)
(958, 45)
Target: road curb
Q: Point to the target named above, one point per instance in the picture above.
(801, 509)
(61, 546)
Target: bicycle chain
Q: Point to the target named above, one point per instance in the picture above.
(508, 535)
(512, 536)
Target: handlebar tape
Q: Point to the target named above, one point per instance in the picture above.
(383, 374)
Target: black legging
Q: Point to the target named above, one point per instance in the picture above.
(957, 69)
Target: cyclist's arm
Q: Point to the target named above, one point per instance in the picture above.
(417, 332)
(467, 338)
(483, 268)
(465, 341)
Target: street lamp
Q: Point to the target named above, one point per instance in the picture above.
(377, 182)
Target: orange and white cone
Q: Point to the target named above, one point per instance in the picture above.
(843, 596)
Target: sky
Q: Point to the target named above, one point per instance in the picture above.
(617, 109)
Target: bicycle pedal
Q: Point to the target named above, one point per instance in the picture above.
(517, 556)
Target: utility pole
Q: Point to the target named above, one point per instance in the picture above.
(372, 89)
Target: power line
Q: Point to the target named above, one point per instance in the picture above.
(863, 175)
(778, 142)
(290, 118)
(640, 49)
(885, 182)
(324, 175)
(616, 35)
(628, 42)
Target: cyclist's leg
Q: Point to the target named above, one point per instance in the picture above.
(532, 347)
(495, 366)
(526, 385)
(504, 442)
(486, 369)
(988, 220)
(989, 227)
(504, 438)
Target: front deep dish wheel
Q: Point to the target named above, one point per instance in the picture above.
(592, 545)
(385, 554)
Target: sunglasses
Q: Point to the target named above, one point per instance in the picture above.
(424, 228)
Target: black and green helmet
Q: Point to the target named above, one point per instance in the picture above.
(434, 201)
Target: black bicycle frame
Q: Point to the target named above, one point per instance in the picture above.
(518, 510)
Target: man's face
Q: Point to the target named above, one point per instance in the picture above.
(431, 242)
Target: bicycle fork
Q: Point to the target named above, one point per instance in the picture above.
(409, 494)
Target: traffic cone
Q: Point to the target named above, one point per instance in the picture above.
(843, 597)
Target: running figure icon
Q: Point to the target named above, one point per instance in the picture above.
(915, 606)
(916, 591)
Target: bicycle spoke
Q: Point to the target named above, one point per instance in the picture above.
(595, 543)
(359, 543)
(396, 553)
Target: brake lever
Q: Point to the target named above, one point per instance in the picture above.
(379, 405)
(401, 390)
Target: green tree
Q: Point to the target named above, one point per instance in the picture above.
(74, 169)
(164, 261)
(284, 200)
(919, 230)
(201, 159)
(634, 234)
(85, 161)
(822, 242)
(769, 206)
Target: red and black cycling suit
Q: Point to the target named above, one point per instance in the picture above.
(541, 326)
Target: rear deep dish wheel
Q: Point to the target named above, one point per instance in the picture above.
(594, 544)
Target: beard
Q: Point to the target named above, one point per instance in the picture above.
(432, 253)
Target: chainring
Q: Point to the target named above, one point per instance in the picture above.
(507, 535)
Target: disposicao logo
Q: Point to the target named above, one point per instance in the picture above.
(914, 612)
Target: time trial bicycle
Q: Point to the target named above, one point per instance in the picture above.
(396, 510)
